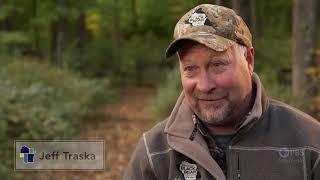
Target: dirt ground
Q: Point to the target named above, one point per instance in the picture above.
(121, 125)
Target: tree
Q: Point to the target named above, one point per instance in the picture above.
(247, 10)
(304, 21)
(242, 7)
(35, 27)
(217, 2)
(60, 36)
(253, 17)
(116, 35)
(81, 32)
(134, 13)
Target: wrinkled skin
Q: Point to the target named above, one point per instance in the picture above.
(217, 85)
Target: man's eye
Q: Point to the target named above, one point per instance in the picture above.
(218, 67)
(189, 68)
(216, 64)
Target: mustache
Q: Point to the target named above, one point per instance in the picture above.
(214, 95)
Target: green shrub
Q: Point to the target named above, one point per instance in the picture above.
(133, 62)
(43, 102)
(273, 54)
(144, 65)
(273, 64)
(168, 92)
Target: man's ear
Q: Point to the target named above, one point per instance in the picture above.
(250, 58)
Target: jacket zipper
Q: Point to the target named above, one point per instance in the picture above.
(238, 166)
(195, 129)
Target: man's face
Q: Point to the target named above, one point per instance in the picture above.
(216, 84)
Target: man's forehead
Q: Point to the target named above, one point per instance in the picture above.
(190, 47)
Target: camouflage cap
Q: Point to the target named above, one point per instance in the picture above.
(216, 27)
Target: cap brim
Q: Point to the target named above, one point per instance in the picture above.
(212, 41)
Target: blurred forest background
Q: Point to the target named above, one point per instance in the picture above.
(67, 66)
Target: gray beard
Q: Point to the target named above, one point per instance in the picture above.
(220, 117)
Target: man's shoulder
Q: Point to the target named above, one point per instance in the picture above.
(293, 117)
(286, 110)
(158, 128)
(285, 124)
(155, 138)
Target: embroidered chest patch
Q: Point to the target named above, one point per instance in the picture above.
(189, 170)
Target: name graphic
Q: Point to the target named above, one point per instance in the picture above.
(59, 155)
(56, 155)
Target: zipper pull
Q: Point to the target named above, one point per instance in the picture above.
(238, 166)
(238, 175)
(195, 129)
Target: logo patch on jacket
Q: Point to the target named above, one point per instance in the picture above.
(284, 152)
(189, 170)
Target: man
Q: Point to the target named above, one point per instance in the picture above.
(223, 126)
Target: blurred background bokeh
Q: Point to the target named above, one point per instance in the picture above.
(95, 69)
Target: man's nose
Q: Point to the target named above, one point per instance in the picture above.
(205, 83)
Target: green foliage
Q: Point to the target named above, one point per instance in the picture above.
(155, 19)
(132, 65)
(168, 92)
(143, 65)
(313, 78)
(43, 102)
(274, 18)
(14, 38)
(275, 89)
(274, 55)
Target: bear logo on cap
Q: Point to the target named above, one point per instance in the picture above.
(198, 19)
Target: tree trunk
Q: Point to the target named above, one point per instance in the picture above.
(36, 50)
(242, 8)
(218, 2)
(116, 36)
(60, 41)
(134, 12)
(53, 42)
(59, 35)
(116, 23)
(9, 21)
(8, 24)
(2, 24)
(81, 32)
(304, 14)
(253, 17)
